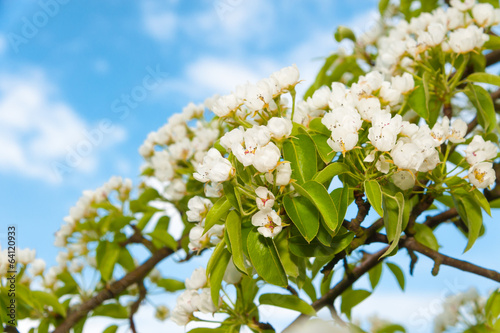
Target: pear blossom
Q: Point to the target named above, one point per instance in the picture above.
(440, 131)
(384, 131)
(462, 5)
(213, 190)
(482, 175)
(403, 83)
(25, 256)
(403, 179)
(197, 280)
(198, 208)
(389, 94)
(287, 77)
(283, 174)
(342, 140)
(231, 138)
(266, 157)
(176, 190)
(279, 127)
(479, 150)
(458, 131)
(485, 14)
(368, 107)
(205, 303)
(320, 98)
(382, 165)
(214, 168)
(265, 198)
(268, 221)
(37, 267)
(465, 40)
(406, 155)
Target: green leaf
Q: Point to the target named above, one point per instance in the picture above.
(300, 151)
(493, 43)
(481, 100)
(393, 218)
(470, 212)
(325, 151)
(382, 6)
(217, 274)
(112, 310)
(288, 260)
(219, 248)
(162, 238)
(49, 299)
(341, 199)
(233, 229)
(492, 308)
(341, 240)
(332, 170)
(291, 302)
(417, 100)
(351, 298)
(482, 201)
(111, 329)
(317, 126)
(125, 260)
(314, 249)
(374, 195)
(495, 203)
(107, 254)
(215, 213)
(319, 196)
(484, 78)
(171, 285)
(265, 259)
(398, 274)
(374, 275)
(304, 216)
(344, 32)
(425, 236)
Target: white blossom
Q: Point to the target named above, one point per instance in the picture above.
(479, 150)
(266, 157)
(198, 208)
(268, 221)
(279, 127)
(482, 175)
(403, 179)
(265, 198)
(197, 280)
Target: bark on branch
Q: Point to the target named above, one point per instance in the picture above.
(113, 290)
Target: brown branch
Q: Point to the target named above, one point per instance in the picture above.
(441, 259)
(371, 261)
(363, 209)
(138, 238)
(136, 304)
(433, 221)
(113, 290)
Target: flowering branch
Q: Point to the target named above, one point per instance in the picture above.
(113, 290)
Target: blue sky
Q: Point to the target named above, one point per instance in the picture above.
(73, 98)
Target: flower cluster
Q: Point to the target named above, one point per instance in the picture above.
(250, 98)
(481, 173)
(192, 300)
(180, 146)
(459, 29)
(454, 307)
(85, 208)
(198, 208)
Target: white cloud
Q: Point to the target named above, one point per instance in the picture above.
(209, 75)
(38, 129)
(159, 22)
